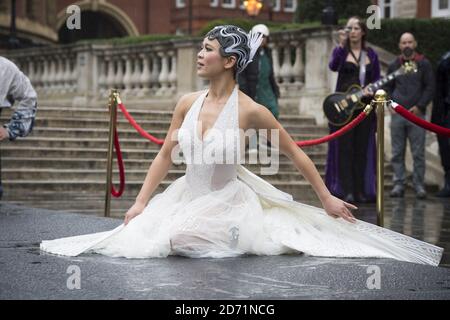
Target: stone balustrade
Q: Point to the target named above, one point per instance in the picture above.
(83, 74)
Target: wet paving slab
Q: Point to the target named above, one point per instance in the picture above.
(27, 273)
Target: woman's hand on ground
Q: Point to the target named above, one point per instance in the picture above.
(338, 208)
(134, 211)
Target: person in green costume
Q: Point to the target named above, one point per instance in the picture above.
(257, 80)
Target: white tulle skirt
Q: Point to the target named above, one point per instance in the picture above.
(247, 216)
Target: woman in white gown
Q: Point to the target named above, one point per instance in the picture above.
(219, 208)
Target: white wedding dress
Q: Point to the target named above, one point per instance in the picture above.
(223, 210)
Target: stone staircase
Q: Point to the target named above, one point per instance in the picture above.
(61, 165)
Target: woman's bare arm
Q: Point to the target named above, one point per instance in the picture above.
(262, 118)
(162, 162)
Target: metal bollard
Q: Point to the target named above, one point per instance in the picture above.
(113, 101)
(380, 102)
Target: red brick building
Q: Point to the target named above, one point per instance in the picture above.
(44, 21)
(414, 8)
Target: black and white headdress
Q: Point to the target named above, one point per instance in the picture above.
(235, 41)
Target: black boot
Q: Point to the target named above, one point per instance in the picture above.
(349, 198)
(445, 192)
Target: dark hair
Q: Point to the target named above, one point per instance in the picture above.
(363, 26)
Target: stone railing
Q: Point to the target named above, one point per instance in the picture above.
(82, 74)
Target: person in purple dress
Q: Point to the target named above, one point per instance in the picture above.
(350, 168)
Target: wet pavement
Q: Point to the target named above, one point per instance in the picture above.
(26, 273)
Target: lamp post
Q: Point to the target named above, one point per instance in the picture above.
(190, 17)
(253, 7)
(13, 42)
(329, 15)
(270, 10)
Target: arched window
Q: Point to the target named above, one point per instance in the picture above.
(94, 25)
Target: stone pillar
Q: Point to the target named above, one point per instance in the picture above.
(187, 67)
(85, 68)
(317, 75)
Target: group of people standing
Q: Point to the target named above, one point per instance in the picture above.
(351, 166)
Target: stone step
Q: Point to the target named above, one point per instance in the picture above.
(101, 153)
(100, 164)
(18, 165)
(42, 174)
(298, 189)
(130, 174)
(166, 104)
(100, 113)
(145, 114)
(102, 133)
(147, 125)
(136, 142)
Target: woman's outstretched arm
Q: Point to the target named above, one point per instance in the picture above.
(263, 119)
(162, 162)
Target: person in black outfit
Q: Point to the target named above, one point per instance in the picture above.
(441, 117)
(414, 91)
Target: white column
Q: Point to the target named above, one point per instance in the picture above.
(102, 84)
(163, 78)
(286, 70)
(31, 73)
(59, 76)
(127, 75)
(136, 75)
(173, 73)
(276, 61)
(298, 68)
(145, 76)
(110, 77)
(316, 87)
(155, 73)
(119, 77)
(39, 67)
(73, 74)
(52, 77)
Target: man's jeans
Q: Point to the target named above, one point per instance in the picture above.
(402, 129)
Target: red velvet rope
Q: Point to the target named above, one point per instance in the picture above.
(138, 128)
(420, 122)
(305, 143)
(334, 135)
(119, 193)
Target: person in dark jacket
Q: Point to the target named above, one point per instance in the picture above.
(441, 117)
(257, 80)
(351, 159)
(414, 91)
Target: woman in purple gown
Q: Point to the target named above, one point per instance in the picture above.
(350, 167)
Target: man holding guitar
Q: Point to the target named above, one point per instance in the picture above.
(414, 91)
(350, 168)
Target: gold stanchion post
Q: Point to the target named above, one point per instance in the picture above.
(112, 125)
(380, 101)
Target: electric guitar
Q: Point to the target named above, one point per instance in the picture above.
(339, 107)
